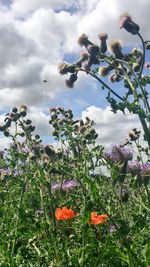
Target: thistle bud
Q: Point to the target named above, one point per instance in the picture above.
(126, 22)
(104, 70)
(64, 68)
(14, 110)
(83, 40)
(103, 37)
(83, 56)
(71, 80)
(23, 110)
(93, 50)
(136, 67)
(116, 48)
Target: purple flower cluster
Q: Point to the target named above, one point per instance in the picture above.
(141, 170)
(119, 154)
(67, 184)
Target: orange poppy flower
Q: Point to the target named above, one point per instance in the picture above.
(97, 219)
(64, 213)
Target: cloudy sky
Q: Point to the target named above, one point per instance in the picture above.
(37, 35)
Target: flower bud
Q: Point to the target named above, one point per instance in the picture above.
(83, 40)
(136, 67)
(103, 37)
(126, 22)
(83, 56)
(14, 110)
(64, 68)
(71, 80)
(93, 50)
(116, 48)
(23, 110)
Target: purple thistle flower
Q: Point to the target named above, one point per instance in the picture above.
(67, 184)
(142, 171)
(134, 167)
(119, 154)
(145, 172)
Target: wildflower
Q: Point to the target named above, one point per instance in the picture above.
(67, 184)
(126, 22)
(64, 213)
(97, 219)
(103, 47)
(116, 48)
(134, 167)
(145, 172)
(119, 154)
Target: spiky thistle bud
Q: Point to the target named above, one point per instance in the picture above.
(126, 22)
(104, 70)
(136, 67)
(64, 68)
(93, 49)
(70, 82)
(83, 56)
(103, 46)
(115, 47)
(23, 110)
(84, 41)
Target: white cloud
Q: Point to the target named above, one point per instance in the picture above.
(112, 128)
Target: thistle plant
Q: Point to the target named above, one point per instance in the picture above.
(125, 69)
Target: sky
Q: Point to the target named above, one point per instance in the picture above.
(37, 35)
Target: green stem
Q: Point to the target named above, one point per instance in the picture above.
(18, 217)
(104, 84)
(143, 58)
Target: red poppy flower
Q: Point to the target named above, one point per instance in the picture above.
(64, 213)
(97, 219)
